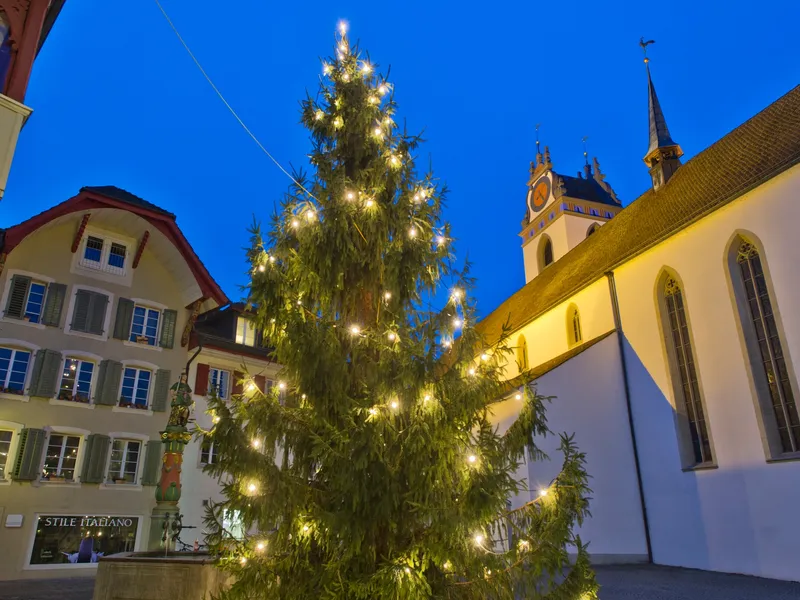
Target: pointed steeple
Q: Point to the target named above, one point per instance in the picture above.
(663, 154)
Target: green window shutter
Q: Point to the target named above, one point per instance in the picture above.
(109, 377)
(161, 390)
(15, 307)
(122, 324)
(151, 472)
(168, 320)
(80, 312)
(94, 458)
(54, 304)
(97, 313)
(44, 377)
(29, 455)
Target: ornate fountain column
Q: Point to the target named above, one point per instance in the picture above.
(168, 492)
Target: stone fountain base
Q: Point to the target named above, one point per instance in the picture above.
(152, 576)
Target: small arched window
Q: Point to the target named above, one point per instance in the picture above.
(695, 442)
(592, 228)
(522, 353)
(574, 333)
(766, 349)
(547, 252)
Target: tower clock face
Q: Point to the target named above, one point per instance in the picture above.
(538, 194)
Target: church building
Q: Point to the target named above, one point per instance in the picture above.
(666, 332)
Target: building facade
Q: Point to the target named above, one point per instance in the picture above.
(667, 335)
(97, 297)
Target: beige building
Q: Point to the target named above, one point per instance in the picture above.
(96, 295)
(668, 336)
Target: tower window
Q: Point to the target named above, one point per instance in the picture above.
(592, 228)
(574, 332)
(578, 209)
(694, 430)
(766, 350)
(609, 215)
(547, 252)
(522, 353)
(594, 212)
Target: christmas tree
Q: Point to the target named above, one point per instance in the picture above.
(372, 468)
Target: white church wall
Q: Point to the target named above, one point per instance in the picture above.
(739, 517)
(577, 227)
(590, 404)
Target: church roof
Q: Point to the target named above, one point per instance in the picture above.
(751, 154)
(586, 189)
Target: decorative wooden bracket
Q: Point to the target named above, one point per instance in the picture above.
(140, 249)
(187, 331)
(79, 235)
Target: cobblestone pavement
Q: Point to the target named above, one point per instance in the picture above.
(618, 583)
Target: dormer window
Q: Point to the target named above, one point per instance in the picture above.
(245, 332)
(103, 254)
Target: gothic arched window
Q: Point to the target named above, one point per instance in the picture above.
(592, 228)
(546, 252)
(766, 348)
(695, 441)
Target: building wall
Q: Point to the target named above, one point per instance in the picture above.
(197, 485)
(590, 403)
(46, 252)
(740, 516)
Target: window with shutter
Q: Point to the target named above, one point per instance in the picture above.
(94, 459)
(97, 313)
(61, 457)
(144, 327)
(168, 324)
(201, 378)
(122, 324)
(29, 455)
(89, 312)
(161, 391)
(238, 387)
(15, 306)
(135, 391)
(80, 311)
(151, 471)
(14, 365)
(6, 436)
(54, 304)
(44, 377)
(76, 380)
(109, 376)
(123, 468)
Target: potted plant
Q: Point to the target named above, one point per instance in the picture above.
(142, 339)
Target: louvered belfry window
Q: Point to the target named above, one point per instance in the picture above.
(677, 336)
(770, 349)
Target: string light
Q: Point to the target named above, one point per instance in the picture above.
(343, 27)
(302, 396)
(260, 546)
(387, 295)
(343, 47)
(338, 122)
(471, 371)
(382, 89)
(517, 396)
(256, 444)
(215, 419)
(306, 528)
(373, 411)
(377, 132)
(472, 459)
(457, 322)
(252, 488)
(484, 357)
(369, 203)
(311, 215)
(318, 115)
(392, 336)
(447, 343)
(456, 295)
(251, 387)
(355, 330)
(374, 99)
(440, 240)
(243, 560)
(261, 268)
(479, 540)
(542, 493)
(295, 223)
(524, 545)
(366, 68)
(446, 565)
(282, 386)
(346, 77)
(395, 405)
(394, 160)
(326, 69)
(412, 232)
(408, 570)
(350, 195)
(426, 398)
(272, 260)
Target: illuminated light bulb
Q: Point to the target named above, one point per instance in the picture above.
(260, 546)
(251, 387)
(456, 294)
(342, 27)
(377, 132)
(408, 570)
(542, 493)
(471, 371)
(484, 357)
(412, 232)
(303, 396)
(343, 47)
(319, 115)
(457, 323)
(374, 100)
(282, 386)
(243, 560)
(355, 330)
(387, 122)
(338, 122)
(295, 223)
(299, 303)
(306, 528)
(215, 419)
(366, 68)
(72, 367)
(346, 77)
(262, 268)
(382, 89)
(387, 295)
(272, 260)
(252, 487)
(373, 411)
(337, 103)
(272, 320)
(311, 215)
(395, 404)
(478, 539)
(394, 160)
(524, 544)
(326, 69)
(447, 343)
(369, 203)
(417, 197)
(256, 444)
(472, 459)
(350, 195)
(440, 240)
(446, 565)
(426, 398)
(392, 336)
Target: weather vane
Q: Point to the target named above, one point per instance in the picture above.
(644, 46)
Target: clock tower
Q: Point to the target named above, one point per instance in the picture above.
(561, 211)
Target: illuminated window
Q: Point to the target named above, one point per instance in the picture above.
(14, 370)
(61, 457)
(76, 380)
(135, 391)
(218, 380)
(124, 465)
(208, 451)
(5, 449)
(245, 332)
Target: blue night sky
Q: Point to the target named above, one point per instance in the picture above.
(117, 101)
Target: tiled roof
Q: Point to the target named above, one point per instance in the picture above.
(112, 191)
(586, 189)
(754, 152)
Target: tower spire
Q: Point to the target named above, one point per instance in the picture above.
(663, 154)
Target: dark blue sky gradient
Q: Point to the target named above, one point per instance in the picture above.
(117, 101)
